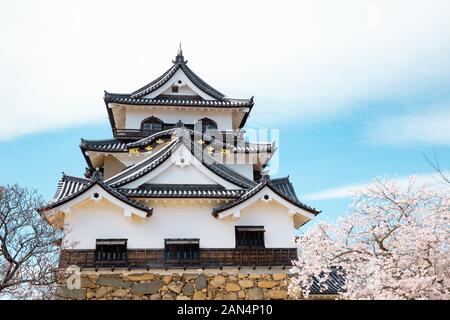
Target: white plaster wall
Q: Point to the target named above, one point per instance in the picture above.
(183, 90)
(179, 75)
(177, 175)
(193, 172)
(90, 221)
(134, 117)
(244, 169)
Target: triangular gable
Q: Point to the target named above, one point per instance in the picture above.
(178, 72)
(142, 172)
(94, 191)
(181, 168)
(266, 193)
(185, 87)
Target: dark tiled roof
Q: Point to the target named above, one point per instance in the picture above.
(335, 284)
(171, 101)
(148, 140)
(250, 193)
(140, 169)
(71, 187)
(179, 63)
(68, 185)
(180, 191)
(285, 187)
(120, 145)
(110, 145)
(220, 169)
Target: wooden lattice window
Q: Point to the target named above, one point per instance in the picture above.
(111, 250)
(181, 249)
(249, 236)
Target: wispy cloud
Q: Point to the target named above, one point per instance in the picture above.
(347, 191)
(431, 127)
(303, 60)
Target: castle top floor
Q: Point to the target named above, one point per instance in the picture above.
(178, 96)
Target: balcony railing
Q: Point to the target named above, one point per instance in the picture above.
(209, 258)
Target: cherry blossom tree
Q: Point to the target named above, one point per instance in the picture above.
(394, 245)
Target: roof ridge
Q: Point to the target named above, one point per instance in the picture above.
(157, 82)
(179, 185)
(99, 140)
(201, 83)
(213, 165)
(146, 140)
(127, 174)
(74, 178)
(279, 179)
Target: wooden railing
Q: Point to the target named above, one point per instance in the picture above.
(154, 258)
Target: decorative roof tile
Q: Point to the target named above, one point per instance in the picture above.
(120, 145)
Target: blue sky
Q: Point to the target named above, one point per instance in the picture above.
(358, 89)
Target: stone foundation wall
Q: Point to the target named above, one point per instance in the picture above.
(185, 286)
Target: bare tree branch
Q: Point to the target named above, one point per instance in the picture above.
(28, 256)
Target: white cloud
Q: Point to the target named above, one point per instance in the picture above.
(347, 191)
(431, 126)
(303, 60)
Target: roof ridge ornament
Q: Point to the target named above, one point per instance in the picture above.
(97, 175)
(179, 57)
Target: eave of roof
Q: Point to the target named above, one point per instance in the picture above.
(85, 185)
(265, 183)
(181, 191)
(186, 102)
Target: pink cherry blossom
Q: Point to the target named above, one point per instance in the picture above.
(394, 245)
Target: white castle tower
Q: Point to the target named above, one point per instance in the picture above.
(177, 189)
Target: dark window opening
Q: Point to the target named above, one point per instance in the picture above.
(111, 250)
(151, 125)
(257, 175)
(206, 124)
(175, 88)
(249, 236)
(181, 249)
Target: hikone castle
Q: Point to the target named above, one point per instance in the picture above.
(178, 204)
